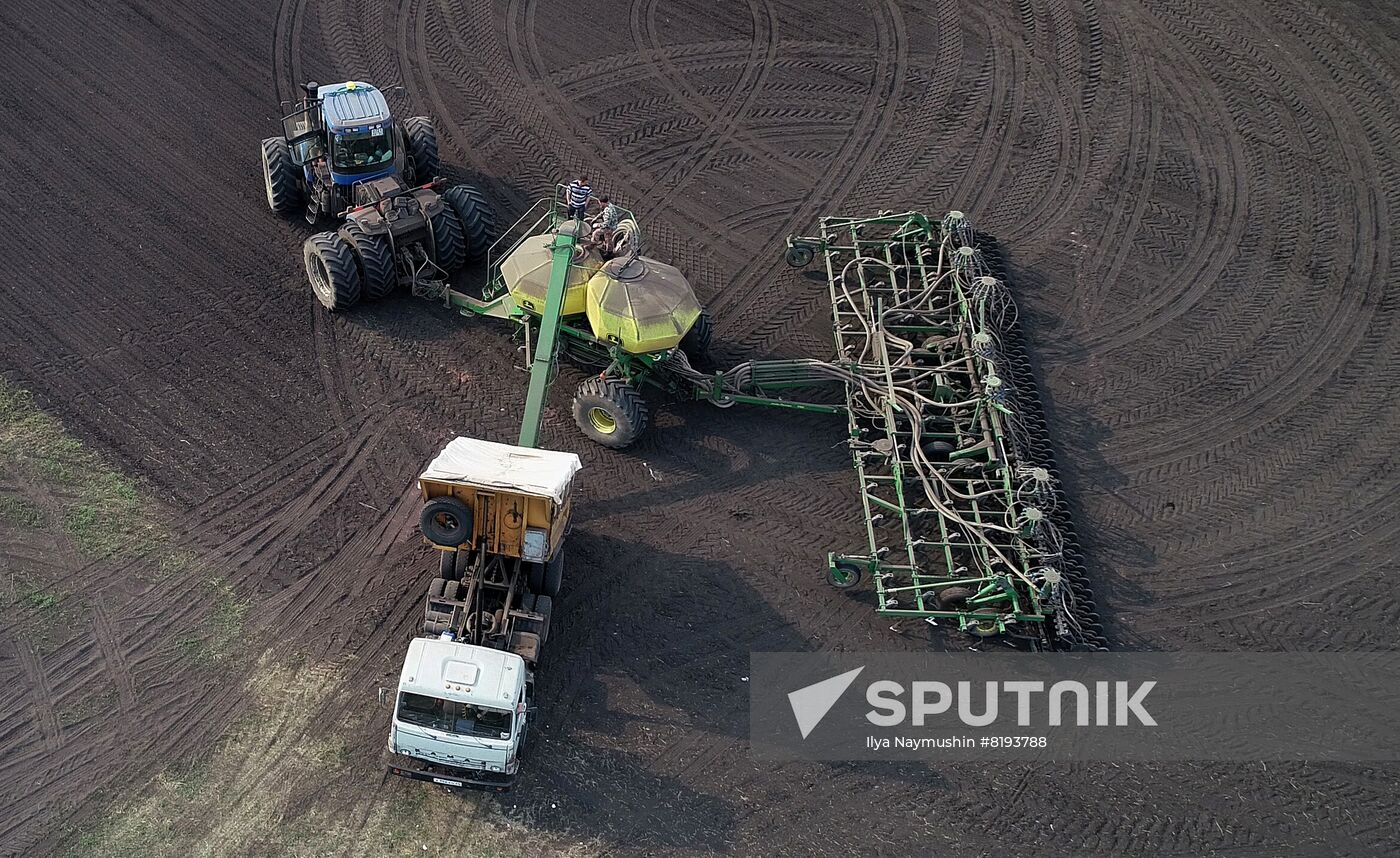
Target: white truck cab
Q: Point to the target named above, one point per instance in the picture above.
(459, 714)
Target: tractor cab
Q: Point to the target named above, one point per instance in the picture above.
(349, 125)
(359, 133)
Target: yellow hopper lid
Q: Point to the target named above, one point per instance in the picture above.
(644, 305)
(526, 272)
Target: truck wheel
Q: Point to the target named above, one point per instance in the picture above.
(544, 606)
(422, 149)
(554, 575)
(477, 217)
(446, 521)
(447, 565)
(696, 342)
(331, 268)
(436, 587)
(536, 577)
(610, 411)
(376, 257)
(527, 602)
(452, 590)
(281, 176)
(449, 252)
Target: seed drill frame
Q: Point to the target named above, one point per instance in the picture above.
(963, 519)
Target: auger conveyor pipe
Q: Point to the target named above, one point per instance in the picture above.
(965, 520)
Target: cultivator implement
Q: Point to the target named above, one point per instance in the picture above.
(964, 520)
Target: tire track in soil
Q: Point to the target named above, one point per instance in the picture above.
(720, 124)
(42, 703)
(114, 656)
(750, 313)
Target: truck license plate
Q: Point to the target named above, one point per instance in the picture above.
(446, 782)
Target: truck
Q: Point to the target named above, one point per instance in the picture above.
(497, 514)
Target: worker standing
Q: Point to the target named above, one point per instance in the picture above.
(579, 193)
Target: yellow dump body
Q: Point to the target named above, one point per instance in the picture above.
(526, 273)
(520, 498)
(641, 304)
(500, 517)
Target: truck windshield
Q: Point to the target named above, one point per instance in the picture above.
(453, 717)
(360, 150)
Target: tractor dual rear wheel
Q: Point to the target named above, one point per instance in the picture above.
(376, 258)
(476, 216)
(281, 177)
(610, 412)
(449, 247)
(332, 270)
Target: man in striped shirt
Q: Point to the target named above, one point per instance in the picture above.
(579, 194)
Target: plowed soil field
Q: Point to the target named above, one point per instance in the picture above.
(1195, 203)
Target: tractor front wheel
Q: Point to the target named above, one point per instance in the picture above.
(610, 411)
(281, 176)
(477, 217)
(330, 265)
(376, 257)
(422, 148)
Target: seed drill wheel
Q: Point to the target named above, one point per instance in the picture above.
(696, 342)
(610, 411)
(799, 256)
(477, 217)
(421, 138)
(331, 268)
(979, 628)
(281, 176)
(843, 575)
(376, 257)
(446, 521)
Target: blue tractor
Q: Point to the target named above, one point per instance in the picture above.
(343, 158)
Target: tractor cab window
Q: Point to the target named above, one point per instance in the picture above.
(453, 717)
(353, 151)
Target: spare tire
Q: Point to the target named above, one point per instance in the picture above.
(446, 521)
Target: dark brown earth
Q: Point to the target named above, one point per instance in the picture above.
(1195, 199)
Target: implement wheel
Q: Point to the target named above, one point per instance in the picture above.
(446, 521)
(422, 148)
(696, 342)
(799, 256)
(477, 217)
(331, 268)
(843, 575)
(376, 257)
(449, 250)
(281, 176)
(610, 411)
